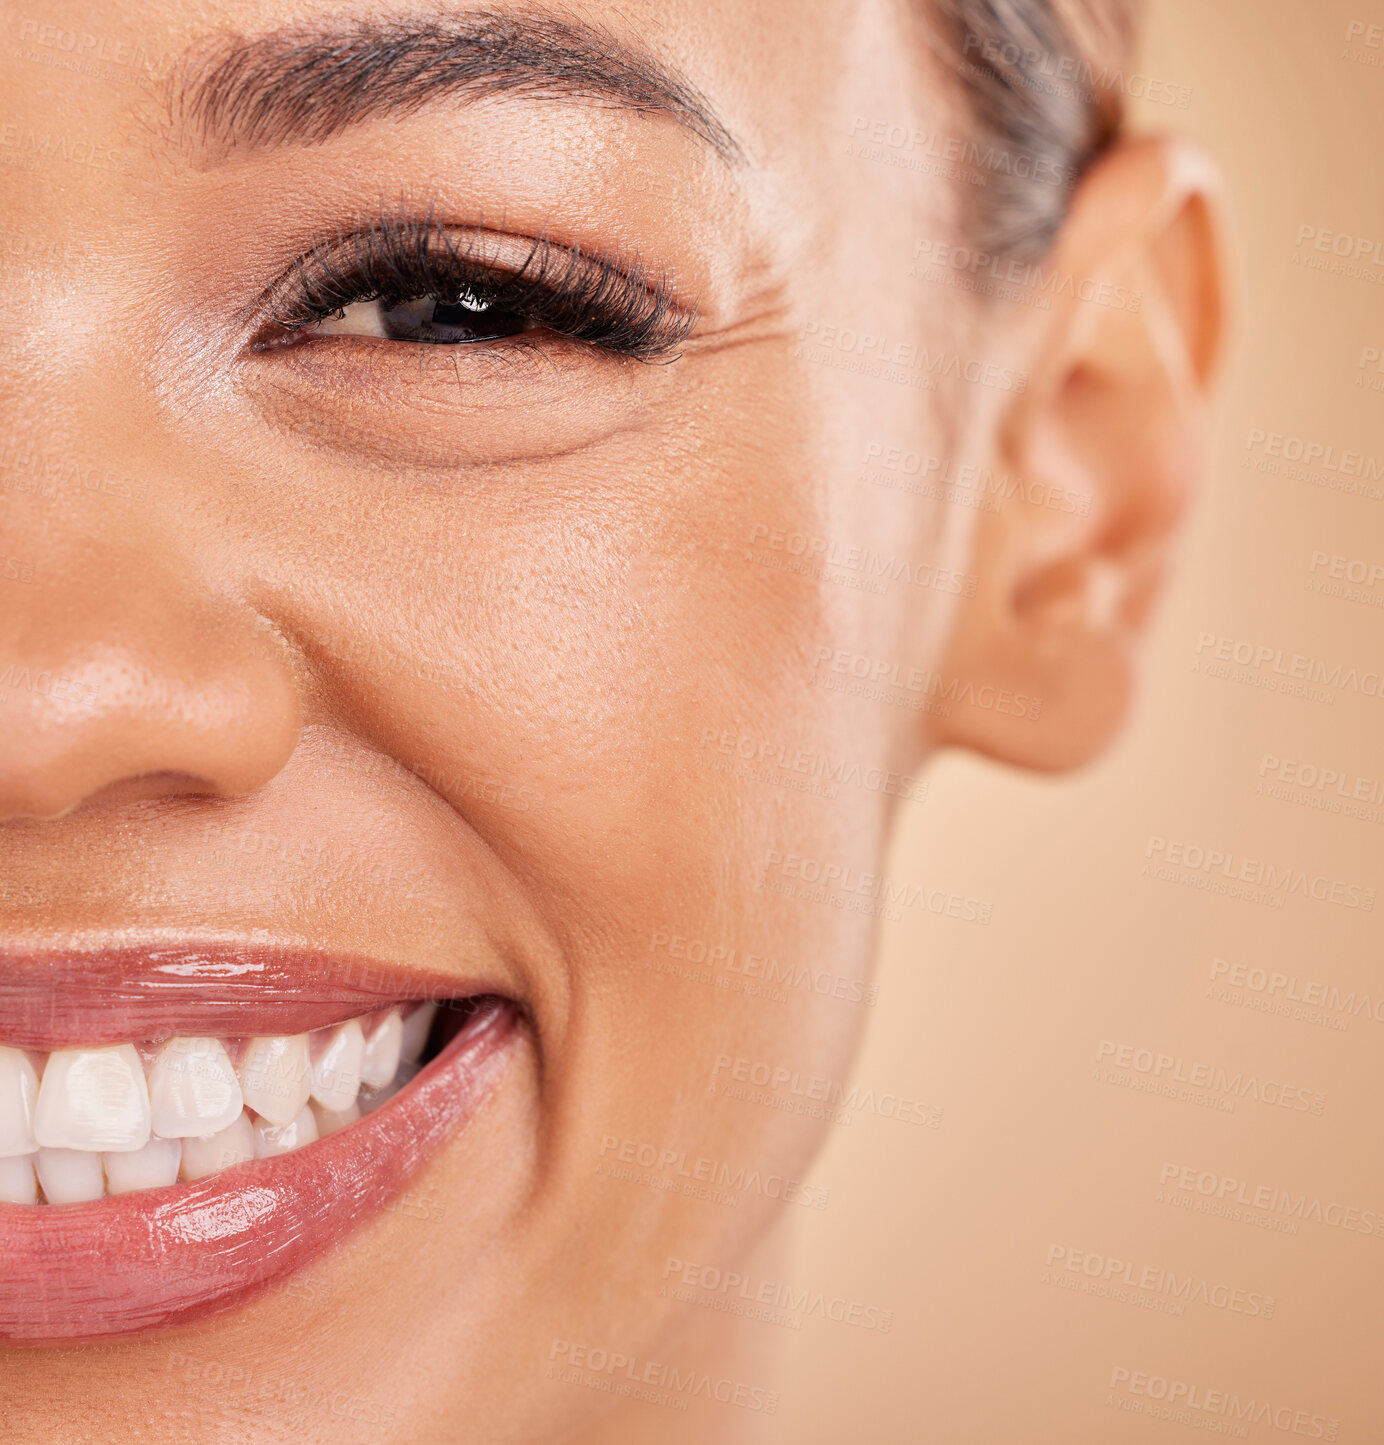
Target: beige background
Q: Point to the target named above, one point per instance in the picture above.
(1001, 1026)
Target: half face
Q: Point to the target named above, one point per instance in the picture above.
(437, 536)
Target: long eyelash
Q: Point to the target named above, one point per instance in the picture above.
(626, 310)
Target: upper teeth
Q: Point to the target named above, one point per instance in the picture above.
(193, 1089)
(380, 1061)
(93, 1099)
(18, 1090)
(335, 1073)
(274, 1077)
(82, 1112)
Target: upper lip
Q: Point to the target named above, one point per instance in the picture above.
(53, 997)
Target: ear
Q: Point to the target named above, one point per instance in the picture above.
(1105, 445)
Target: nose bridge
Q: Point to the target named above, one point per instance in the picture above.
(127, 650)
(122, 658)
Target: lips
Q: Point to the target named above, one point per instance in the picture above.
(158, 1253)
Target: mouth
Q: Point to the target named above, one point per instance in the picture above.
(183, 1128)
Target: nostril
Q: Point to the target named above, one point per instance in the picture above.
(46, 807)
(148, 786)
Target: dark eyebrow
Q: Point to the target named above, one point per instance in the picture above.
(305, 85)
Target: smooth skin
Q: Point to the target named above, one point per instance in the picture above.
(462, 655)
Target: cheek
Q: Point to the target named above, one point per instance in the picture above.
(611, 667)
(613, 682)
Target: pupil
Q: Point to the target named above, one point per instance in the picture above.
(431, 319)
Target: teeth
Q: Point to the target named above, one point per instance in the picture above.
(149, 1168)
(381, 1061)
(233, 1145)
(336, 1071)
(81, 1123)
(329, 1120)
(18, 1090)
(92, 1099)
(275, 1077)
(193, 1090)
(272, 1139)
(70, 1176)
(416, 1028)
(17, 1182)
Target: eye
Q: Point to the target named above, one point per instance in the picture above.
(456, 319)
(407, 278)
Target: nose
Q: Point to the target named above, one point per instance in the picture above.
(121, 678)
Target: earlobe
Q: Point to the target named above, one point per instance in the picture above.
(1105, 446)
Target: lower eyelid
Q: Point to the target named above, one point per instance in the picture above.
(434, 409)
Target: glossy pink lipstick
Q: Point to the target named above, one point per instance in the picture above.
(170, 1255)
(52, 998)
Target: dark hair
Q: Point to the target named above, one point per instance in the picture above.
(1043, 84)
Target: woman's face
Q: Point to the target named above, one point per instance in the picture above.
(431, 652)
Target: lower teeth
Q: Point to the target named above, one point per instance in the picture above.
(78, 1125)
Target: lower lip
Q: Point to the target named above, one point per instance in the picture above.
(164, 1257)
